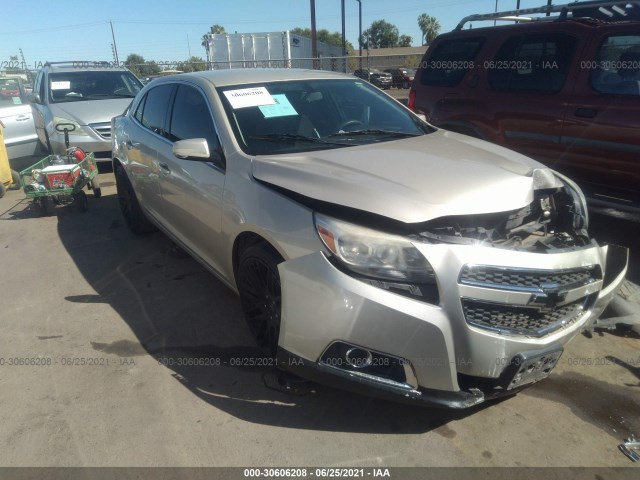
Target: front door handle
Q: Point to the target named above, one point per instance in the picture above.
(164, 167)
(586, 112)
(131, 145)
(22, 118)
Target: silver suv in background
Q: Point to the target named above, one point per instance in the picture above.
(84, 94)
(370, 250)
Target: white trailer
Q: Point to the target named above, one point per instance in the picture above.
(269, 50)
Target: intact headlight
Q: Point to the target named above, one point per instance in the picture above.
(62, 121)
(374, 254)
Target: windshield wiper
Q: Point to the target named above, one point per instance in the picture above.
(373, 131)
(290, 137)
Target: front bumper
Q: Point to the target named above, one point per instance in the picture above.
(447, 360)
(99, 144)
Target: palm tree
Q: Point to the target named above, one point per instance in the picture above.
(429, 26)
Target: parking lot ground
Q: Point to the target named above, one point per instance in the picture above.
(116, 350)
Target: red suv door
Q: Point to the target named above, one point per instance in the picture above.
(600, 137)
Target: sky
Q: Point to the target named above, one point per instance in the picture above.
(170, 31)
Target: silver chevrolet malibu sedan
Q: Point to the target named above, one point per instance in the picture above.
(370, 250)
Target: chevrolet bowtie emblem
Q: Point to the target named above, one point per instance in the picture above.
(549, 298)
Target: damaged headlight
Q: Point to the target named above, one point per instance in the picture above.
(581, 213)
(374, 254)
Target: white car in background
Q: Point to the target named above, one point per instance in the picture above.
(17, 119)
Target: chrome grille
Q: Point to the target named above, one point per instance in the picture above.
(521, 320)
(102, 129)
(527, 301)
(495, 277)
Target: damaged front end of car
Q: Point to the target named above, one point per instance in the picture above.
(556, 219)
(450, 312)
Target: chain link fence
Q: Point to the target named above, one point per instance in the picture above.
(153, 69)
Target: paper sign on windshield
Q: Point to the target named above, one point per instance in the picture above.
(61, 85)
(249, 97)
(282, 108)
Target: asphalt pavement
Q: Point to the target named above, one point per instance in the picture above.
(117, 350)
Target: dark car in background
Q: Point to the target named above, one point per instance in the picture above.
(378, 78)
(401, 77)
(563, 89)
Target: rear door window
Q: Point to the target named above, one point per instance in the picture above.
(532, 63)
(447, 65)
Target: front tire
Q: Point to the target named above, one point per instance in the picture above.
(95, 187)
(81, 200)
(129, 205)
(260, 294)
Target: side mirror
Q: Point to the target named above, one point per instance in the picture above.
(193, 148)
(422, 117)
(34, 98)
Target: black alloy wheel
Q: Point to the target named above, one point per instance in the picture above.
(260, 295)
(129, 206)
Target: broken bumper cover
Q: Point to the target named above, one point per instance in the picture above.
(409, 350)
(343, 380)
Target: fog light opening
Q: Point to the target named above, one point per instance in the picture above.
(358, 357)
(373, 365)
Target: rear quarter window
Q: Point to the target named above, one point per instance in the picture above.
(532, 63)
(449, 62)
(616, 69)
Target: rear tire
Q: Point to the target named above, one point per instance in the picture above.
(45, 206)
(15, 177)
(260, 294)
(81, 201)
(131, 211)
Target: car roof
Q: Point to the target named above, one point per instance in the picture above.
(535, 27)
(75, 66)
(239, 76)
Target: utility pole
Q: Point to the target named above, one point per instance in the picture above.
(115, 49)
(360, 32)
(24, 64)
(188, 45)
(314, 35)
(344, 41)
(549, 3)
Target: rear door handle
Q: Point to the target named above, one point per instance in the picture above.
(586, 112)
(22, 118)
(164, 167)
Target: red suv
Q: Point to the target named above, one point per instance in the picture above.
(562, 88)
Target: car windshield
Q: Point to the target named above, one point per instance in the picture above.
(92, 85)
(304, 115)
(10, 93)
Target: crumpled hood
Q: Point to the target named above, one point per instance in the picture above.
(410, 180)
(91, 111)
